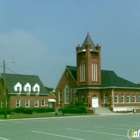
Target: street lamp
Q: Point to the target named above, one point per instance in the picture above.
(4, 78)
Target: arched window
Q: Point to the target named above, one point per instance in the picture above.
(60, 96)
(116, 98)
(128, 98)
(82, 72)
(67, 94)
(105, 98)
(122, 98)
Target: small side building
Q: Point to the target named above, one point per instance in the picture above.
(24, 91)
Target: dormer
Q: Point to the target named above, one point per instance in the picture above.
(36, 88)
(18, 87)
(27, 88)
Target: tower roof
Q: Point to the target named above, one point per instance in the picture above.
(88, 40)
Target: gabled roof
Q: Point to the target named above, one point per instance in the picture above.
(73, 71)
(13, 79)
(88, 40)
(108, 79)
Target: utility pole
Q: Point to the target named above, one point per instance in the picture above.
(4, 87)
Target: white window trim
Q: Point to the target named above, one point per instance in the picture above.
(36, 86)
(27, 86)
(94, 72)
(19, 103)
(18, 85)
(123, 98)
(116, 98)
(35, 103)
(134, 97)
(28, 103)
(59, 99)
(129, 98)
(82, 72)
(2, 104)
(105, 99)
(67, 86)
(42, 102)
(138, 98)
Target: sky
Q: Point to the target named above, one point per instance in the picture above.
(41, 36)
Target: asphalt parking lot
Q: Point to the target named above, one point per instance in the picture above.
(96, 127)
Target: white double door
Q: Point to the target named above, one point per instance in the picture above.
(95, 102)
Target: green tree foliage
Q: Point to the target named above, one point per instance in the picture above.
(49, 89)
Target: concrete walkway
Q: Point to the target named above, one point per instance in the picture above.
(102, 110)
(105, 111)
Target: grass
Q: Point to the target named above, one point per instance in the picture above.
(38, 115)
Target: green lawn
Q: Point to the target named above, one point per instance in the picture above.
(38, 115)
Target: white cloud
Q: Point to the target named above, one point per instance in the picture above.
(20, 42)
(32, 56)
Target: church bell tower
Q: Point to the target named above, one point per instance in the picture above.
(88, 63)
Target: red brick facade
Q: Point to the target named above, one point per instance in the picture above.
(87, 84)
(33, 99)
(66, 79)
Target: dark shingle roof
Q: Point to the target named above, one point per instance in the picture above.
(108, 79)
(13, 79)
(73, 71)
(88, 40)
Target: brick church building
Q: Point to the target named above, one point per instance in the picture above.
(95, 87)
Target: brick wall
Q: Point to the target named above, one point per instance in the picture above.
(65, 79)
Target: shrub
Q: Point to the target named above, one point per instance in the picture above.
(72, 110)
(82, 108)
(49, 109)
(71, 106)
(1, 111)
(19, 110)
(80, 103)
(8, 111)
(31, 110)
(43, 110)
(28, 111)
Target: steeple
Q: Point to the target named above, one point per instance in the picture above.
(88, 63)
(89, 41)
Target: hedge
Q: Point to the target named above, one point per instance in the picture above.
(19, 110)
(78, 107)
(73, 110)
(43, 110)
(8, 111)
(37, 110)
(27, 110)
